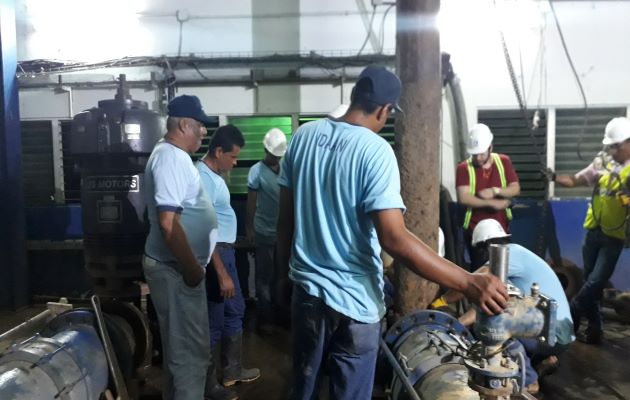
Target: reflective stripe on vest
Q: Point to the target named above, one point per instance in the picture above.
(472, 184)
(606, 210)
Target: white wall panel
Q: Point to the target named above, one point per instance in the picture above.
(595, 31)
(43, 104)
(92, 30)
(320, 98)
(223, 100)
(277, 99)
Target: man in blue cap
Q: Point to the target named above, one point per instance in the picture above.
(340, 197)
(182, 236)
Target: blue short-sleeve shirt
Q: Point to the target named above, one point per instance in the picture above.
(219, 194)
(339, 173)
(526, 268)
(264, 181)
(172, 184)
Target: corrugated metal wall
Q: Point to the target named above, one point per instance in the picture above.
(526, 149)
(578, 139)
(254, 129)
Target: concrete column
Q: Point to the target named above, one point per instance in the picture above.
(273, 34)
(13, 266)
(418, 137)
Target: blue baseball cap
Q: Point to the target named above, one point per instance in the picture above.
(186, 106)
(378, 85)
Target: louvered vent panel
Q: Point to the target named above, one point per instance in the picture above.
(37, 163)
(526, 149)
(71, 173)
(578, 139)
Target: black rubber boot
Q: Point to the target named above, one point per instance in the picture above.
(214, 390)
(231, 358)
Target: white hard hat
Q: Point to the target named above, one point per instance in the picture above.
(339, 112)
(617, 131)
(479, 139)
(487, 229)
(275, 142)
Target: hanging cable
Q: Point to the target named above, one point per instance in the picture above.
(520, 65)
(543, 67)
(181, 16)
(369, 32)
(537, 67)
(179, 43)
(201, 74)
(577, 79)
(381, 32)
(169, 80)
(519, 98)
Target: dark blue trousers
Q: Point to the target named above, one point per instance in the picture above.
(600, 253)
(226, 315)
(325, 341)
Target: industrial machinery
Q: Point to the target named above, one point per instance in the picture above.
(426, 350)
(87, 350)
(112, 143)
(435, 357)
(79, 352)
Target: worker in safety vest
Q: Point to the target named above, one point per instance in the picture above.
(486, 182)
(606, 223)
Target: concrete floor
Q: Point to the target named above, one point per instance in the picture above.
(593, 372)
(585, 373)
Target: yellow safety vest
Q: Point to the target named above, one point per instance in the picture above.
(472, 182)
(607, 211)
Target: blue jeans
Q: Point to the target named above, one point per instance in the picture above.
(265, 278)
(183, 319)
(324, 339)
(600, 253)
(226, 317)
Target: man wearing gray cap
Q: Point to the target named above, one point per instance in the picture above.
(183, 228)
(340, 198)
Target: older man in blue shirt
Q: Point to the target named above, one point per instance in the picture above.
(182, 235)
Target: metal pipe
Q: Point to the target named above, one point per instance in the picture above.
(222, 60)
(499, 261)
(26, 328)
(112, 361)
(65, 361)
(425, 353)
(411, 391)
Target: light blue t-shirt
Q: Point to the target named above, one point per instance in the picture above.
(339, 173)
(526, 268)
(172, 184)
(220, 196)
(264, 181)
